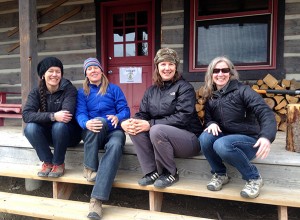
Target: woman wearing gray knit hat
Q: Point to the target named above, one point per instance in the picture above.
(48, 113)
(101, 106)
(167, 125)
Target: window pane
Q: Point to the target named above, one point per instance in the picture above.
(142, 34)
(118, 50)
(118, 20)
(118, 35)
(142, 49)
(130, 19)
(130, 34)
(214, 7)
(243, 40)
(142, 18)
(130, 50)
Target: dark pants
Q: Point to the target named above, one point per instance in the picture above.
(58, 134)
(157, 148)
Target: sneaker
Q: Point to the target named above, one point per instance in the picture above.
(217, 182)
(57, 171)
(148, 179)
(166, 179)
(89, 174)
(252, 188)
(46, 169)
(95, 209)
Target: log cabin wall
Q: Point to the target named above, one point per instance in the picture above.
(292, 39)
(72, 41)
(172, 30)
(172, 26)
(75, 39)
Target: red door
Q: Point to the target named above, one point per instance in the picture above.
(128, 42)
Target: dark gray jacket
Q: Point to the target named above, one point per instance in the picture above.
(240, 110)
(63, 99)
(173, 104)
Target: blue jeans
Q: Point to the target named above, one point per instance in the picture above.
(234, 149)
(106, 166)
(58, 134)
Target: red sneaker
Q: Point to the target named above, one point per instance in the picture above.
(46, 169)
(57, 171)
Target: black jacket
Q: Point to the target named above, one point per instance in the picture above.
(240, 110)
(173, 104)
(63, 99)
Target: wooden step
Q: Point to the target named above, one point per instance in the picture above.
(48, 208)
(273, 174)
(282, 196)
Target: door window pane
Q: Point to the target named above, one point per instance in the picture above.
(130, 19)
(118, 35)
(118, 20)
(130, 50)
(142, 49)
(130, 34)
(142, 18)
(118, 50)
(142, 33)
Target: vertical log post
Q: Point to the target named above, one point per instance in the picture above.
(28, 59)
(28, 47)
(293, 128)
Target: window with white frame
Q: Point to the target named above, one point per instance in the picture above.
(243, 30)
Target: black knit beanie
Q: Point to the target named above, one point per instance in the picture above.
(48, 62)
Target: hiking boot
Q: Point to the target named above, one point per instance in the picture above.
(252, 188)
(57, 171)
(46, 169)
(148, 179)
(166, 179)
(95, 209)
(217, 182)
(89, 174)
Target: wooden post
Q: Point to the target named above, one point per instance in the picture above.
(293, 128)
(28, 46)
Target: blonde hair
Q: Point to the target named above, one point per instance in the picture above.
(209, 84)
(104, 84)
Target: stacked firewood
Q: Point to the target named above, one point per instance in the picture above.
(200, 103)
(277, 102)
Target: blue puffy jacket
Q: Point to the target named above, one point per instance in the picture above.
(97, 105)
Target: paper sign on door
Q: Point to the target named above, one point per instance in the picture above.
(130, 74)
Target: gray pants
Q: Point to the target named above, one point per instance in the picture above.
(157, 148)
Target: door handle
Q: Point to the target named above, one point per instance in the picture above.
(109, 71)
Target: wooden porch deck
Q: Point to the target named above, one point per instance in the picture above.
(12, 136)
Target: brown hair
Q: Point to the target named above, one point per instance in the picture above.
(165, 55)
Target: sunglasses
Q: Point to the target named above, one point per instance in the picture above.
(224, 70)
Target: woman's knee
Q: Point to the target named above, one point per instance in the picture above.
(206, 140)
(32, 129)
(156, 131)
(60, 128)
(118, 138)
(223, 147)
